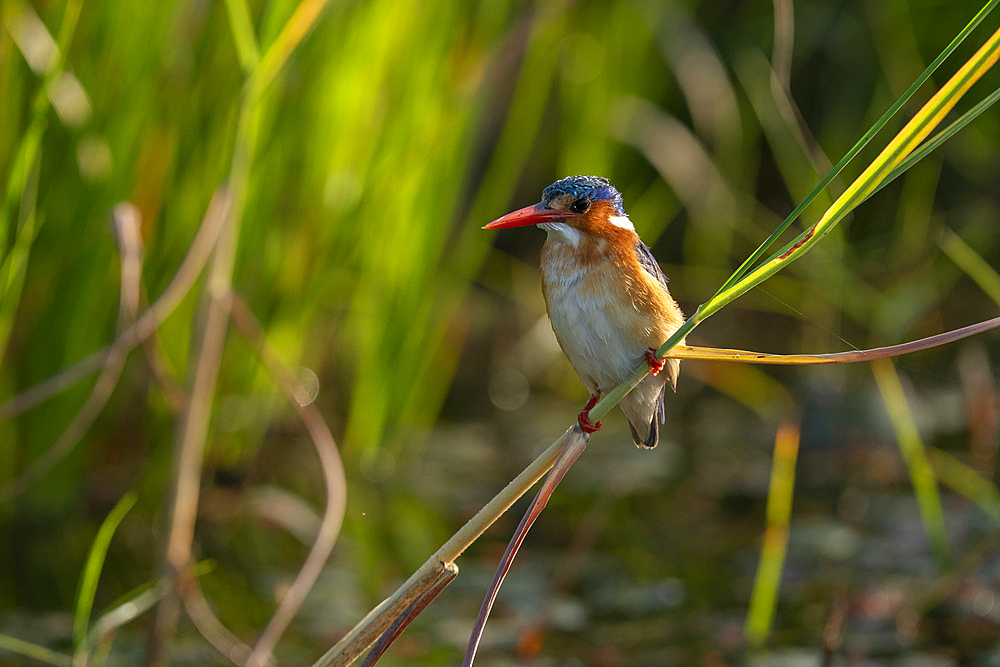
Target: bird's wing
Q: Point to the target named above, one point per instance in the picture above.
(648, 262)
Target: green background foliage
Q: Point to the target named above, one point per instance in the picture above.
(392, 134)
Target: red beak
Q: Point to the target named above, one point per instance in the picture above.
(529, 215)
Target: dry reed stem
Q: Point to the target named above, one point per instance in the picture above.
(444, 577)
(854, 356)
(365, 633)
(192, 430)
(571, 450)
(127, 222)
(205, 620)
(333, 475)
(145, 326)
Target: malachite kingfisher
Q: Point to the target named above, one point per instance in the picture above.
(606, 296)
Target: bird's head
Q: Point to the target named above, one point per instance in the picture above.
(572, 206)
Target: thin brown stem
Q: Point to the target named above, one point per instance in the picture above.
(937, 340)
(127, 221)
(189, 270)
(569, 453)
(208, 624)
(333, 475)
(192, 430)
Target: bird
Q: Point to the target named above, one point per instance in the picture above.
(606, 297)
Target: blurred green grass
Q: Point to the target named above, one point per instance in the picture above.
(393, 133)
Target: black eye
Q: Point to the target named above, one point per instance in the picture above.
(580, 205)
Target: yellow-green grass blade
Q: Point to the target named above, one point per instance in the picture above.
(22, 180)
(915, 456)
(764, 599)
(932, 144)
(891, 157)
(34, 651)
(14, 265)
(294, 31)
(972, 264)
(967, 481)
(879, 124)
(749, 357)
(26, 154)
(241, 26)
(94, 564)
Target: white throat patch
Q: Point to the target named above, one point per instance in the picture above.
(560, 231)
(622, 221)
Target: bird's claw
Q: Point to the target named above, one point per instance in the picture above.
(655, 364)
(583, 418)
(586, 425)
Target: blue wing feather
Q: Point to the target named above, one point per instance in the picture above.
(651, 266)
(648, 262)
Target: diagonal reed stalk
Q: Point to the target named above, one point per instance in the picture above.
(891, 158)
(364, 634)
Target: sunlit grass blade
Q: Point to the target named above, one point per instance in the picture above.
(891, 157)
(27, 152)
(134, 604)
(922, 123)
(963, 479)
(915, 456)
(241, 26)
(972, 263)
(127, 610)
(932, 144)
(879, 124)
(95, 563)
(14, 265)
(20, 192)
(301, 22)
(764, 599)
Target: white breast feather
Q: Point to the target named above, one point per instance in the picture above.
(589, 328)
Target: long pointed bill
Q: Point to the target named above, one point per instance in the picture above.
(529, 215)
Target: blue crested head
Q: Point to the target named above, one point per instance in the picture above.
(594, 188)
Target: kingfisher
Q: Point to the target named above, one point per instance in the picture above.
(606, 296)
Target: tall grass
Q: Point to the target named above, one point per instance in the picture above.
(373, 155)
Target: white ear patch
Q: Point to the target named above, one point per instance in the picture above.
(621, 221)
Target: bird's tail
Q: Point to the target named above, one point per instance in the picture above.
(658, 417)
(649, 442)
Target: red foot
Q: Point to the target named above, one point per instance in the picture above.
(584, 417)
(655, 365)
